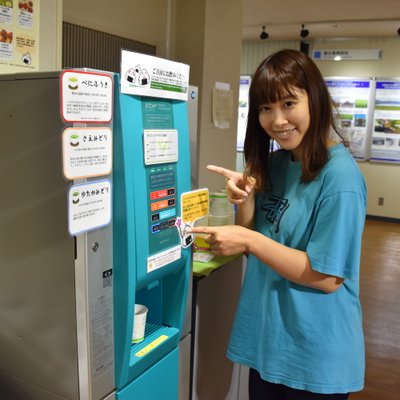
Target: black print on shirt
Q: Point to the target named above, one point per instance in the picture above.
(275, 209)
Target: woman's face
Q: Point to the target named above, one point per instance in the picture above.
(287, 121)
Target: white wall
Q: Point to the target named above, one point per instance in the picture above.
(383, 180)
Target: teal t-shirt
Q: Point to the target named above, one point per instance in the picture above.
(291, 334)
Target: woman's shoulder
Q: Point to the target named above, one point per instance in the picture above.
(342, 170)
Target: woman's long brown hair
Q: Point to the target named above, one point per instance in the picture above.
(276, 77)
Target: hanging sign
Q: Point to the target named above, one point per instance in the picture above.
(86, 97)
(87, 152)
(89, 206)
(146, 75)
(385, 145)
(347, 54)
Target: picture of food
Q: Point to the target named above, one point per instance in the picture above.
(74, 140)
(6, 3)
(387, 125)
(75, 198)
(26, 6)
(6, 37)
(73, 83)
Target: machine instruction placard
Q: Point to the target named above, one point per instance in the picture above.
(146, 75)
(89, 206)
(87, 152)
(86, 97)
(160, 146)
(163, 258)
(194, 205)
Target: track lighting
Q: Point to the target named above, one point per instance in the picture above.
(264, 35)
(304, 32)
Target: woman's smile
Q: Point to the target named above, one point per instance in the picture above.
(287, 120)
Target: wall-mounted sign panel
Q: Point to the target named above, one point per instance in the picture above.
(19, 34)
(244, 87)
(352, 98)
(385, 145)
(347, 55)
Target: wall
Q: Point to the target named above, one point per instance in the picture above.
(141, 20)
(382, 179)
(208, 38)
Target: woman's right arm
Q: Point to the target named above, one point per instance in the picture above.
(245, 212)
(239, 192)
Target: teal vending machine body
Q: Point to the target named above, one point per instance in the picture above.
(151, 267)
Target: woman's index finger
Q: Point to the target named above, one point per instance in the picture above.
(201, 229)
(227, 173)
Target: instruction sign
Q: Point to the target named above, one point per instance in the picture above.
(86, 97)
(160, 146)
(146, 75)
(87, 152)
(89, 206)
(194, 205)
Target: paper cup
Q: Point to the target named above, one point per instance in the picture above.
(139, 323)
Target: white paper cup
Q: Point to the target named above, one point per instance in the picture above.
(139, 323)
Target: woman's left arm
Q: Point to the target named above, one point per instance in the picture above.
(290, 263)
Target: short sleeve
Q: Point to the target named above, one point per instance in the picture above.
(334, 247)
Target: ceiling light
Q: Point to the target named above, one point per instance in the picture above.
(263, 35)
(304, 32)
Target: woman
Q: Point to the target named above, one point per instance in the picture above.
(301, 213)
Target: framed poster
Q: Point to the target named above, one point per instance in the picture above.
(353, 99)
(385, 146)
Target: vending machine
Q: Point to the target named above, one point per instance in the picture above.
(89, 228)
(152, 259)
(56, 290)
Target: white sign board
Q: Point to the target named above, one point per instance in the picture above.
(160, 146)
(347, 54)
(87, 152)
(89, 206)
(146, 75)
(86, 97)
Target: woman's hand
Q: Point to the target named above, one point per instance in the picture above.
(237, 188)
(225, 240)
